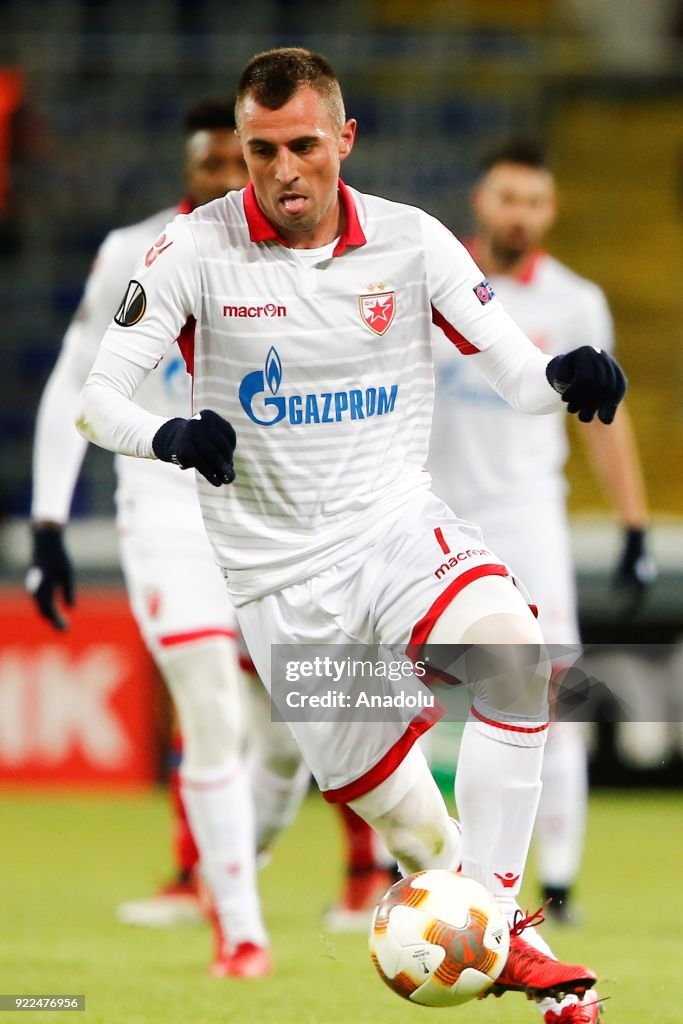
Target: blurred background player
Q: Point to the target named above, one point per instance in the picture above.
(175, 589)
(504, 470)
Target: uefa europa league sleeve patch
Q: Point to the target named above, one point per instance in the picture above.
(133, 306)
(484, 292)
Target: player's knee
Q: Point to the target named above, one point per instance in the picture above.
(505, 661)
(512, 673)
(510, 647)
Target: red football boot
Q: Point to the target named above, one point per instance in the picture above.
(537, 975)
(247, 960)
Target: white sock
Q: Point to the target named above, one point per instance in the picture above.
(220, 811)
(276, 801)
(497, 788)
(512, 910)
(560, 824)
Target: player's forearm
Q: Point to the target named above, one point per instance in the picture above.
(614, 456)
(107, 415)
(58, 448)
(516, 370)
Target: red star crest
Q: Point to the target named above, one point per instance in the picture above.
(377, 310)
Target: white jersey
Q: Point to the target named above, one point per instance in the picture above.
(323, 368)
(59, 448)
(486, 458)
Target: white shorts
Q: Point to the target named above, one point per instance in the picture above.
(175, 588)
(391, 594)
(535, 543)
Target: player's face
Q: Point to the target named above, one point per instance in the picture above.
(293, 156)
(214, 165)
(514, 208)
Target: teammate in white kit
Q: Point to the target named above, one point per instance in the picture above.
(176, 591)
(313, 375)
(505, 472)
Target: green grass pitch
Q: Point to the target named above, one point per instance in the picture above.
(68, 860)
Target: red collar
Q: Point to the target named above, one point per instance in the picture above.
(261, 230)
(185, 205)
(527, 274)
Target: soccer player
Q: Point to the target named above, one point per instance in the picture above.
(506, 470)
(176, 590)
(313, 382)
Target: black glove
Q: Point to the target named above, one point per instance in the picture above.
(206, 442)
(50, 573)
(589, 381)
(637, 569)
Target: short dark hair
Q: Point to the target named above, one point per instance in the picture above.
(272, 78)
(526, 152)
(209, 115)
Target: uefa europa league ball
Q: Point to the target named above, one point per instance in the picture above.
(438, 938)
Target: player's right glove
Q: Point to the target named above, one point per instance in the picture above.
(206, 443)
(590, 382)
(50, 573)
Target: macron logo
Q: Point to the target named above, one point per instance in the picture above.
(269, 310)
(460, 557)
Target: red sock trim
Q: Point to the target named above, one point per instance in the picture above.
(507, 726)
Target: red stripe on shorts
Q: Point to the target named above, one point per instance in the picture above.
(387, 764)
(507, 726)
(423, 628)
(443, 544)
(172, 639)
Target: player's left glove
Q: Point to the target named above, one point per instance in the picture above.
(590, 382)
(637, 569)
